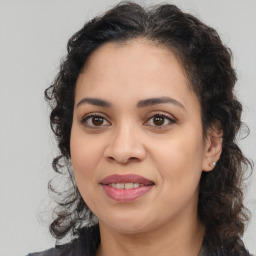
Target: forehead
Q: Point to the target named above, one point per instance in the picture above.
(137, 69)
(129, 56)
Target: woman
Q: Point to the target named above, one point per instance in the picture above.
(143, 110)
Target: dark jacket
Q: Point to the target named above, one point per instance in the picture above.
(88, 242)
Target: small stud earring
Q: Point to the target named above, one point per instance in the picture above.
(213, 164)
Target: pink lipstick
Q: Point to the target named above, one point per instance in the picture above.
(127, 187)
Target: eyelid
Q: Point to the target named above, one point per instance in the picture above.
(106, 118)
(94, 114)
(168, 116)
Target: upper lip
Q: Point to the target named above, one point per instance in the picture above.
(126, 178)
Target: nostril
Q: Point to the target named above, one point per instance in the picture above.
(123, 160)
(124, 153)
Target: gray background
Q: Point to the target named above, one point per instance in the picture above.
(33, 37)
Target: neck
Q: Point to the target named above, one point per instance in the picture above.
(182, 237)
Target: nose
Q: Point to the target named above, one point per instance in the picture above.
(125, 145)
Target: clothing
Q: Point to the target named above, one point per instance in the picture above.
(88, 242)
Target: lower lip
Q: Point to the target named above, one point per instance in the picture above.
(125, 195)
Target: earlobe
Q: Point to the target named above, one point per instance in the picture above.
(213, 149)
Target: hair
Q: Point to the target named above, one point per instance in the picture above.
(207, 64)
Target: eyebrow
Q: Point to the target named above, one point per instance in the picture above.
(141, 104)
(95, 102)
(156, 101)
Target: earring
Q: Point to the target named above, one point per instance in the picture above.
(213, 164)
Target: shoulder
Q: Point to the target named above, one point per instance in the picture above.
(75, 247)
(69, 249)
(224, 252)
(63, 250)
(49, 252)
(86, 244)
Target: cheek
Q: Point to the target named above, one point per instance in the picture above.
(179, 161)
(85, 155)
(85, 158)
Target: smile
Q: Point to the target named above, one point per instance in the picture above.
(125, 188)
(129, 185)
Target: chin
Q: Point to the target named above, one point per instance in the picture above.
(128, 224)
(130, 229)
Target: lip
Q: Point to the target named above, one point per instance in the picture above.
(125, 178)
(126, 195)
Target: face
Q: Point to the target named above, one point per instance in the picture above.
(137, 147)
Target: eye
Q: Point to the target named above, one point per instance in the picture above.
(94, 121)
(160, 120)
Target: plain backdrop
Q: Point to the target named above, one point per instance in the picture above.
(33, 37)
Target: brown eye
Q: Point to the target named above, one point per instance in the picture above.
(97, 121)
(94, 121)
(158, 120)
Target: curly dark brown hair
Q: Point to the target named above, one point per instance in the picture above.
(208, 66)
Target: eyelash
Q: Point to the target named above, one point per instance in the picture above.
(89, 117)
(167, 117)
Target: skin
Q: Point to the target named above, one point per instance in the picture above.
(128, 139)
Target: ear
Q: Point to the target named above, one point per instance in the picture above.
(213, 148)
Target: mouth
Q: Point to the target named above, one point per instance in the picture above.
(128, 185)
(125, 188)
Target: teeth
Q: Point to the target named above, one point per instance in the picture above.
(119, 185)
(129, 185)
(136, 185)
